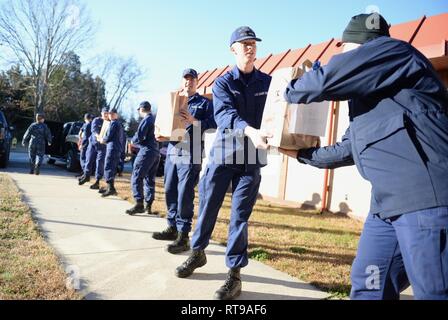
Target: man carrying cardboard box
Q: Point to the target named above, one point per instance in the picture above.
(239, 97)
(96, 152)
(114, 145)
(398, 139)
(183, 165)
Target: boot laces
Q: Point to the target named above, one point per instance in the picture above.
(191, 258)
(168, 230)
(230, 280)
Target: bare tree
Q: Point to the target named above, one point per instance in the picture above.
(37, 35)
(122, 76)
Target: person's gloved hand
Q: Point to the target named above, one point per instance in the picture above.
(258, 137)
(316, 65)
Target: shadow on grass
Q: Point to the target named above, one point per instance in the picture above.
(253, 224)
(304, 254)
(294, 212)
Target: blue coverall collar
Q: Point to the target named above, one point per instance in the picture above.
(190, 99)
(237, 75)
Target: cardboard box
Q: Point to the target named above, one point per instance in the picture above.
(280, 118)
(169, 123)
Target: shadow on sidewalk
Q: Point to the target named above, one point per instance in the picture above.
(250, 278)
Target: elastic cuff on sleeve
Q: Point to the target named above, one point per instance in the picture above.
(241, 125)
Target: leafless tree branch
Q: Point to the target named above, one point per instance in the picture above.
(37, 35)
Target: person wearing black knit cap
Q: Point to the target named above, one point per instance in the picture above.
(398, 139)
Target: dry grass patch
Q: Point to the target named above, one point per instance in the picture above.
(317, 248)
(29, 269)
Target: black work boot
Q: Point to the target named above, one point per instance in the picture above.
(110, 191)
(84, 179)
(96, 185)
(32, 170)
(138, 208)
(196, 260)
(169, 233)
(231, 288)
(148, 209)
(37, 170)
(181, 244)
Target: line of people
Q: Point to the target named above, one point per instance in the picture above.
(102, 154)
(398, 139)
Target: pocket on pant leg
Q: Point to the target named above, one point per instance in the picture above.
(433, 218)
(423, 241)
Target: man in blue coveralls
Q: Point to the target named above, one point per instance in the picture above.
(183, 166)
(96, 152)
(84, 135)
(398, 139)
(113, 140)
(143, 180)
(239, 97)
(38, 135)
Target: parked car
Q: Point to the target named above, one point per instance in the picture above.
(6, 136)
(163, 146)
(64, 146)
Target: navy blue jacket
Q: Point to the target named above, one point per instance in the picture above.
(37, 135)
(237, 104)
(97, 124)
(398, 134)
(201, 109)
(86, 130)
(144, 137)
(114, 137)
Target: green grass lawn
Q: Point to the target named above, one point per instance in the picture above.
(29, 268)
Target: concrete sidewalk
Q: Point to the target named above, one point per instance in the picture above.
(114, 255)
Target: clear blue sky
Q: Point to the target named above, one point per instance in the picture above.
(168, 36)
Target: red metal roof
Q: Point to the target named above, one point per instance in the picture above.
(259, 63)
(314, 52)
(213, 76)
(292, 57)
(201, 75)
(330, 52)
(273, 62)
(205, 77)
(432, 36)
(433, 30)
(427, 34)
(406, 31)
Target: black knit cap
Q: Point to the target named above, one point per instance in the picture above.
(365, 27)
(145, 105)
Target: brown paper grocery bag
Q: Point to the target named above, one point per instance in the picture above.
(169, 123)
(104, 128)
(277, 114)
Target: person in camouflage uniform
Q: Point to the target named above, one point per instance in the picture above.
(37, 135)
